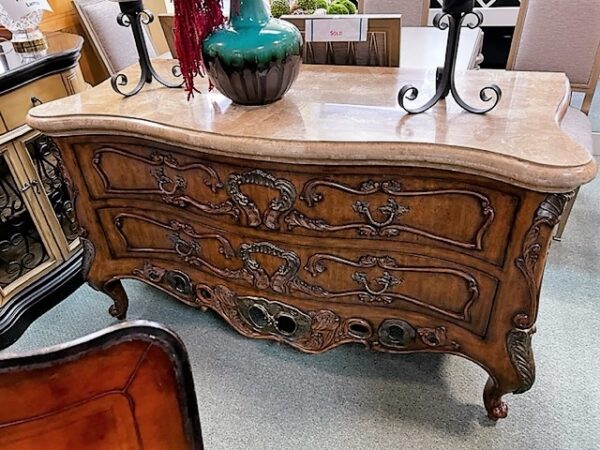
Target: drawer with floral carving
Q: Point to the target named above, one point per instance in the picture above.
(439, 288)
(394, 206)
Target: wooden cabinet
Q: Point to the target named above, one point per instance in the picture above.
(332, 217)
(39, 249)
(26, 250)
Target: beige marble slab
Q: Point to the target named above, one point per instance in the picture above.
(349, 115)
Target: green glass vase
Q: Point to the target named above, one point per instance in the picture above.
(255, 58)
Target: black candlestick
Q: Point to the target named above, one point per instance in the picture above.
(453, 21)
(133, 14)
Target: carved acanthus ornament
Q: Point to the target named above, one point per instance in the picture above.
(277, 206)
(518, 343)
(72, 192)
(548, 214)
(89, 253)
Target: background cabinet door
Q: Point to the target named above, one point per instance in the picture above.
(27, 250)
(40, 158)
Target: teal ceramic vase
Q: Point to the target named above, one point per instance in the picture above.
(255, 58)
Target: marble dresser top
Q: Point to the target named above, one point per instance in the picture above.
(349, 115)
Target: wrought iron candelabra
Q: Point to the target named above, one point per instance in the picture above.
(445, 82)
(134, 15)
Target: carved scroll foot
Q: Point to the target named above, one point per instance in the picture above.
(492, 399)
(114, 289)
(518, 345)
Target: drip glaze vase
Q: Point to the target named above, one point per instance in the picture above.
(256, 58)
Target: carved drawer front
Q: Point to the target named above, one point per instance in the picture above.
(392, 205)
(172, 179)
(436, 287)
(392, 208)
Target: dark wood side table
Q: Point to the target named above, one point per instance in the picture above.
(40, 255)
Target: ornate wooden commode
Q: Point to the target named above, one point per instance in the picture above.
(331, 216)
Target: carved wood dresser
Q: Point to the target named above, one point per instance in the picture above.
(331, 216)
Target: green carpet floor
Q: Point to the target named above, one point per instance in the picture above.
(260, 395)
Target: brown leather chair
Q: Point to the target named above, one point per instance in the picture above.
(126, 387)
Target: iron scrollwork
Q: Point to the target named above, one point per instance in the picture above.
(133, 15)
(46, 157)
(21, 247)
(445, 79)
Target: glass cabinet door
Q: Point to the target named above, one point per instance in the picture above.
(25, 252)
(46, 160)
(40, 156)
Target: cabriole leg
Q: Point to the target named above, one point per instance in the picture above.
(492, 399)
(518, 345)
(92, 273)
(114, 289)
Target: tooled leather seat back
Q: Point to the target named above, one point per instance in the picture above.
(127, 387)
